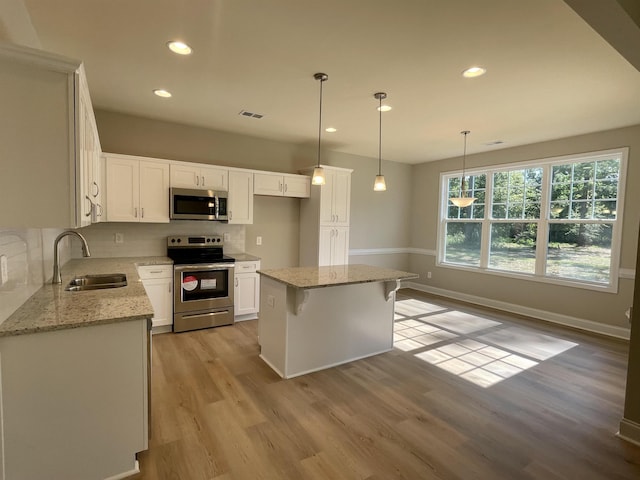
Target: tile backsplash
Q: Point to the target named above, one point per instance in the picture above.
(28, 256)
(150, 239)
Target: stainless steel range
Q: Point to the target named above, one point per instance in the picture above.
(202, 282)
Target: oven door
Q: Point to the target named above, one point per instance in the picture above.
(203, 287)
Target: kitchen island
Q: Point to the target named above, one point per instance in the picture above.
(313, 318)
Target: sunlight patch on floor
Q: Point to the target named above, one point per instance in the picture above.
(477, 349)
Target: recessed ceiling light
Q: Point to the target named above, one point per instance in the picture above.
(180, 48)
(384, 108)
(162, 93)
(330, 129)
(474, 72)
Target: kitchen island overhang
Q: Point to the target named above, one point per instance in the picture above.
(312, 318)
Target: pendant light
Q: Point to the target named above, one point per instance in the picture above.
(318, 171)
(463, 200)
(379, 185)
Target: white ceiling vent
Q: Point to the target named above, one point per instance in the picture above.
(244, 113)
(495, 142)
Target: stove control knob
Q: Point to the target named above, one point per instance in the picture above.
(218, 239)
(179, 240)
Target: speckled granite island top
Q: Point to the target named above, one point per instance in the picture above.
(318, 277)
(52, 308)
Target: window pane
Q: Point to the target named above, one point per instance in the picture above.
(517, 193)
(606, 190)
(583, 171)
(579, 251)
(582, 191)
(513, 247)
(608, 170)
(559, 210)
(463, 243)
(561, 174)
(605, 209)
(475, 188)
(582, 209)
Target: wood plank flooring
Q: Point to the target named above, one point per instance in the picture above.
(218, 412)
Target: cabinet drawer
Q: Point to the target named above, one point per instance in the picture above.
(247, 267)
(147, 272)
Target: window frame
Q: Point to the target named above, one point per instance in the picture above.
(543, 222)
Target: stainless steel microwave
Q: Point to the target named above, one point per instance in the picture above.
(189, 204)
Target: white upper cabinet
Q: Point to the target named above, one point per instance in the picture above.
(198, 176)
(89, 148)
(240, 198)
(42, 183)
(335, 198)
(281, 185)
(137, 190)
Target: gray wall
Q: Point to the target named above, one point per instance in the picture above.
(606, 308)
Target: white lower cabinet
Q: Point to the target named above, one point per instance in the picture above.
(246, 290)
(158, 283)
(75, 402)
(333, 246)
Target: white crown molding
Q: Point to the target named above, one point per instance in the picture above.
(574, 322)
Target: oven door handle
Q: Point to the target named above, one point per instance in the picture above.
(204, 266)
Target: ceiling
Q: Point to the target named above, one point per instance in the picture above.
(549, 74)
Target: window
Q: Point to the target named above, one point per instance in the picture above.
(556, 220)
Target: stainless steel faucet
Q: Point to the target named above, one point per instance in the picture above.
(56, 268)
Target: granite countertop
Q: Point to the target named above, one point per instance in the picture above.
(318, 277)
(244, 257)
(52, 308)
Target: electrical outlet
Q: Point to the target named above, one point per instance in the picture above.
(258, 240)
(4, 270)
(428, 274)
(226, 237)
(271, 301)
(118, 237)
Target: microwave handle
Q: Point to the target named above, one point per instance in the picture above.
(217, 202)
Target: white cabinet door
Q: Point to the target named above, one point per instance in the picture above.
(297, 186)
(158, 283)
(325, 246)
(246, 290)
(335, 197)
(154, 192)
(194, 175)
(123, 190)
(185, 175)
(214, 178)
(333, 246)
(340, 252)
(247, 294)
(341, 197)
(240, 208)
(267, 184)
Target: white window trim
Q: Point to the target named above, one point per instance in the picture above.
(543, 221)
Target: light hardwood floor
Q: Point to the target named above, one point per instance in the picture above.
(422, 411)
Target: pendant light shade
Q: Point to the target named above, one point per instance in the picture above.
(379, 185)
(463, 200)
(318, 171)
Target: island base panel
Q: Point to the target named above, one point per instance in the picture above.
(335, 325)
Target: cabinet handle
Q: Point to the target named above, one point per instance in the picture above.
(236, 282)
(169, 287)
(279, 186)
(230, 215)
(198, 180)
(203, 180)
(97, 189)
(285, 187)
(100, 211)
(155, 271)
(135, 212)
(142, 210)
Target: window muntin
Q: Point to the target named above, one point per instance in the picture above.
(556, 220)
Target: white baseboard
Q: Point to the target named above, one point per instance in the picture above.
(120, 476)
(574, 322)
(242, 318)
(629, 431)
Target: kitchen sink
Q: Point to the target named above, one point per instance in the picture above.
(95, 282)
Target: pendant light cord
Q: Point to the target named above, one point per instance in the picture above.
(463, 189)
(380, 137)
(322, 79)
